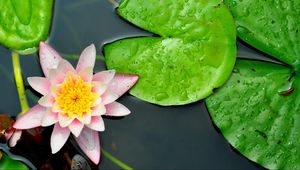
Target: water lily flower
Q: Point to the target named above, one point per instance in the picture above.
(74, 99)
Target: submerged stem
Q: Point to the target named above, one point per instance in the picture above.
(19, 82)
(114, 2)
(76, 56)
(115, 160)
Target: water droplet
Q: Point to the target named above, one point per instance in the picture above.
(236, 70)
(161, 96)
(234, 3)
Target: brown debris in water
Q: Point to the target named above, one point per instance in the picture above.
(288, 92)
(6, 129)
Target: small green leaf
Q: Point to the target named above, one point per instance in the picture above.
(270, 26)
(256, 118)
(8, 163)
(24, 23)
(195, 53)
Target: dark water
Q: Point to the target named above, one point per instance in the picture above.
(151, 137)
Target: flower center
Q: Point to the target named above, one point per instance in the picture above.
(75, 96)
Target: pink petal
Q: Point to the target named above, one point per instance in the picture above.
(98, 101)
(121, 83)
(63, 120)
(39, 84)
(56, 77)
(15, 138)
(64, 66)
(89, 143)
(86, 74)
(116, 109)
(47, 101)
(98, 110)
(59, 137)
(55, 108)
(99, 87)
(97, 123)
(87, 58)
(49, 118)
(49, 58)
(76, 127)
(53, 90)
(86, 119)
(104, 76)
(31, 119)
(109, 97)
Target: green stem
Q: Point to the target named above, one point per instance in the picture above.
(19, 82)
(115, 160)
(76, 56)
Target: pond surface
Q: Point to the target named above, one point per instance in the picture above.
(152, 137)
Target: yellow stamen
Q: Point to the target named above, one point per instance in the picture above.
(75, 96)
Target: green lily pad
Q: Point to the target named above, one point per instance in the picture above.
(270, 26)
(24, 23)
(193, 54)
(259, 119)
(257, 110)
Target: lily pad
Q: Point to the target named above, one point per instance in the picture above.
(270, 26)
(256, 117)
(23, 24)
(194, 53)
(257, 110)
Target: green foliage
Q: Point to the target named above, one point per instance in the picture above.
(256, 117)
(8, 163)
(257, 110)
(24, 23)
(270, 26)
(194, 54)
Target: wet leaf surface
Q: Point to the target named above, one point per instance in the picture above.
(256, 118)
(270, 26)
(195, 53)
(258, 109)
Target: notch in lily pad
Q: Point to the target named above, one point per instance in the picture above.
(258, 111)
